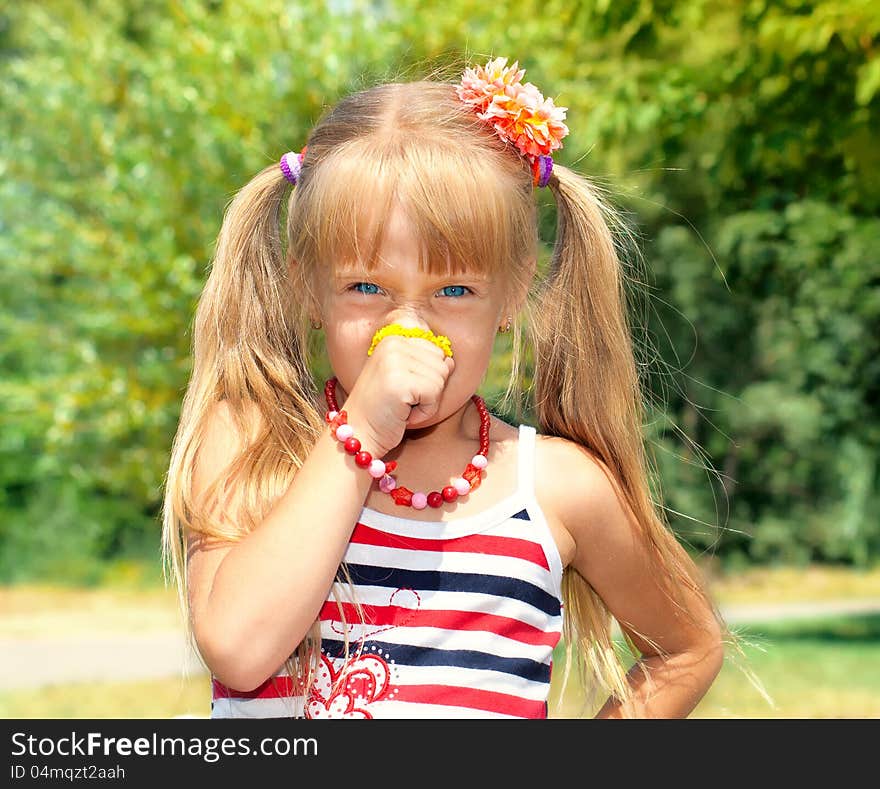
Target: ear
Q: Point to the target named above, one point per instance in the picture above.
(313, 307)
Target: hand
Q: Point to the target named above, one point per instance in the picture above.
(398, 389)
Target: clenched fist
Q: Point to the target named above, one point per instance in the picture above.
(399, 389)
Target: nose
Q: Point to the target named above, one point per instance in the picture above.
(408, 318)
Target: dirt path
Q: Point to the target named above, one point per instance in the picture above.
(31, 660)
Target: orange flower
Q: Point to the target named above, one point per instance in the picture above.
(518, 112)
(479, 85)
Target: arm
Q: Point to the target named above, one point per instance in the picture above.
(253, 601)
(610, 555)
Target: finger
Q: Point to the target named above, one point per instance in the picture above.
(415, 348)
(427, 389)
(421, 413)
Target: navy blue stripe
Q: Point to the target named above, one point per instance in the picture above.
(522, 515)
(445, 581)
(407, 655)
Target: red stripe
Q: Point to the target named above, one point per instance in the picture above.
(473, 698)
(282, 688)
(388, 616)
(513, 547)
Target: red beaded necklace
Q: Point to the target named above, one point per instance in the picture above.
(460, 486)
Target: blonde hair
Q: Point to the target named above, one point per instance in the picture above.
(472, 201)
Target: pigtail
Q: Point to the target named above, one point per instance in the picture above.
(250, 351)
(587, 390)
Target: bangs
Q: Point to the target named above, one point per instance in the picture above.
(469, 218)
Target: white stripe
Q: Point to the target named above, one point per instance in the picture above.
(541, 531)
(526, 460)
(479, 679)
(539, 528)
(449, 601)
(438, 638)
(257, 708)
(449, 562)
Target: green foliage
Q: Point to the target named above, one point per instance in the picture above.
(788, 366)
(740, 136)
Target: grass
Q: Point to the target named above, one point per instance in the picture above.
(40, 610)
(821, 668)
(150, 699)
(818, 583)
(810, 668)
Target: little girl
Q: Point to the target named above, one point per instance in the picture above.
(378, 544)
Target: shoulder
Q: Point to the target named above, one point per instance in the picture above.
(629, 574)
(580, 493)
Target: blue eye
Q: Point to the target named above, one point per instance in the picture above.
(457, 287)
(368, 284)
(375, 289)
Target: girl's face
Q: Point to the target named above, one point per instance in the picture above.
(468, 309)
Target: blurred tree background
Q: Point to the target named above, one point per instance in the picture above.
(739, 137)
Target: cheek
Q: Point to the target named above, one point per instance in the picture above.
(475, 339)
(471, 360)
(348, 332)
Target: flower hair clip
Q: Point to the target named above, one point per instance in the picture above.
(518, 112)
(291, 164)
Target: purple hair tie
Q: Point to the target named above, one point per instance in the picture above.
(545, 170)
(291, 165)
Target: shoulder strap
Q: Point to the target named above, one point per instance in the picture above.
(527, 460)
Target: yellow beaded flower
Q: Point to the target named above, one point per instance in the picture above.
(440, 340)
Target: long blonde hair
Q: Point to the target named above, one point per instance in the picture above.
(472, 201)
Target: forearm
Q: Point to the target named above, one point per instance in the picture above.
(269, 588)
(667, 686)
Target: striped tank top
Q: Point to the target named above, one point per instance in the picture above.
(459, 619)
